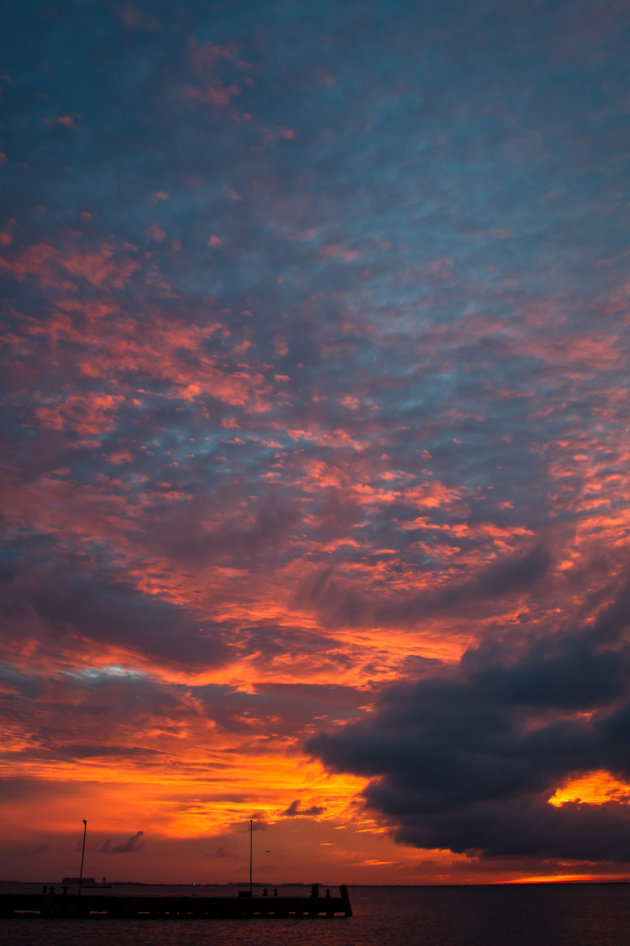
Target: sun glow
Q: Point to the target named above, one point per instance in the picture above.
(596, 788)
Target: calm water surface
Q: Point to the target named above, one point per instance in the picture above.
(536, 915)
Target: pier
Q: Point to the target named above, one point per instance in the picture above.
(94, 906)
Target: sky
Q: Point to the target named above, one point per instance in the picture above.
(315, 456)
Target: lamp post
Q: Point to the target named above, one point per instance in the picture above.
(251, 834)
(82, 855)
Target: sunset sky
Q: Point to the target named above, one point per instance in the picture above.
(315, 458)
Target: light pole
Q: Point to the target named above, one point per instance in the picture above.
(82, 855)
(251, 834)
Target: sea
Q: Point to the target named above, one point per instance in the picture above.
(519, 915)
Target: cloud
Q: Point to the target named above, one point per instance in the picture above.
(212, 64)
(223, 852)
(88, 414)
(468, 757)
(69, 121)
(132, 845)
(295, 810)
(81, 751)
(315, 351)
(68, 603)
(103, 267)
(338, 601)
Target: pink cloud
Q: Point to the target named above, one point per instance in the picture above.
(206, 62)
(212, 95)
(271, 135)
(87, 414)
(173, 351)
(205, 57)
(101, 267)
(44, 262)
(154, 232)
(39, 261)
(68, 121)
(333, 251)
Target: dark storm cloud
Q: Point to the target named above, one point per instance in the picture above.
(468, 758)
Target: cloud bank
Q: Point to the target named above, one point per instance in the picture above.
(468, 757)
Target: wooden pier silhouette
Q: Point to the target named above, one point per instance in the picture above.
(66, 906)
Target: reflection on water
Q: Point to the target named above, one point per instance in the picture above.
(537, 915)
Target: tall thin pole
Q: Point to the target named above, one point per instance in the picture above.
(251, 835)
(82, 855)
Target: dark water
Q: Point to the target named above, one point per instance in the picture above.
(536, 915)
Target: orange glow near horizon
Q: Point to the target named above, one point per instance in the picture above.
(567, 879)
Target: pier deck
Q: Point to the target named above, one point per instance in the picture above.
(73, 906)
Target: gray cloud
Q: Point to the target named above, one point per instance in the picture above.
(74, 600)
(337, 602)
(295, 810)
(467, 758)
(132, 845)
